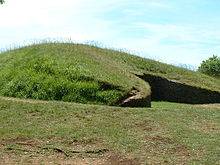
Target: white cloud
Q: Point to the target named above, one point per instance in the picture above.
(172, 43)
(26, 12)
(77, 19)
(86, 20)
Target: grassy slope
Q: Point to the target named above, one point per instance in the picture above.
(35, 131)
(57, 63)
(85, 67)
(143, 65)
(133, 63)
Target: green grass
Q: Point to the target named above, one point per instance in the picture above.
(182, 75)
(168, 133)
(84, 74)
(64, 72)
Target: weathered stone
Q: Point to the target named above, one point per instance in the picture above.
(136, 100)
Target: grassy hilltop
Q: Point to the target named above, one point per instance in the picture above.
(85, 74)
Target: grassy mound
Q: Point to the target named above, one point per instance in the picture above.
(84, 74)
(64, 72)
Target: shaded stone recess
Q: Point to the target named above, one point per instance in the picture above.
(134, 99)
(168, 90)
(137, 102)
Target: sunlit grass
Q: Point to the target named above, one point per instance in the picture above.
(168, 133)
(52, 70)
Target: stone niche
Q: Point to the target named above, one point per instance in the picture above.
(168, 90)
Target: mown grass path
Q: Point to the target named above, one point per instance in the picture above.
(33, 132)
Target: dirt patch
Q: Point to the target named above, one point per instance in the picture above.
(116, 159)
(35, 158)
(173, 147)
(179, 149)
(35, 146)
(51, 159)
(144, 125)
(86, 161)
(162, 139)
(24, 151)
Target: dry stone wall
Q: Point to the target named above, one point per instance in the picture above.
(167, 90)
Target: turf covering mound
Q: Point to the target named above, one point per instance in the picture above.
(88, 74)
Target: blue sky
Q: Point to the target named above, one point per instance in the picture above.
(185, 32)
